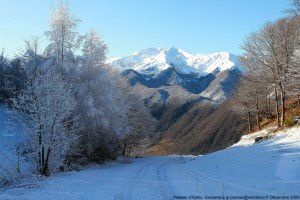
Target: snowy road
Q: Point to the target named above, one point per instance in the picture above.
(150, 179)
(270, 168)
(143, 178)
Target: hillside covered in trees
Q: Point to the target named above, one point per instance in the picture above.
(75, 109)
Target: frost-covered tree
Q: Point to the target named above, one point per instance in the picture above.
(94, 50)
(63, 34)
(107, 112)
(3, 68)
(12, 77)
(101, 105)
(32, 58)
(102, 113)
(47, 106)
(294, 7)
(15, 77)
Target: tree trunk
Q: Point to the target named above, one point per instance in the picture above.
(46, 165)
(249, 121)
(282, 99)
(43, 161)
(40, 153)
(39, 162)
(257, 110)
(129, 150)
(269, 106)
(125, 146)
(277, 106)
(257, 121)
(18, 164)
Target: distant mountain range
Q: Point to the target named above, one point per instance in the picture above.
(184, 92)
(212, 76)
(152, 61)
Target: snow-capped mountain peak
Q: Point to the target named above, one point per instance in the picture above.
(154, 60)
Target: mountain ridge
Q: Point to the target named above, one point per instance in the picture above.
(152, 61)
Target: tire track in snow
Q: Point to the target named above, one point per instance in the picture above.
(166, 191)
(127, 194)
(163, 182)
(193, 175)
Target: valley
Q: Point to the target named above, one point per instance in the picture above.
(150, 100)
(187, 95)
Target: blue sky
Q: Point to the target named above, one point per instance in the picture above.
(196, 26)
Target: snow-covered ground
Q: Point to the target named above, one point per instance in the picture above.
(11, 136)
(268, 168)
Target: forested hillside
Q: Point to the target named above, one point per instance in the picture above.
(75, 108)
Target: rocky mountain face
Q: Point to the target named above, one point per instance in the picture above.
(185, 93)
(215, 86)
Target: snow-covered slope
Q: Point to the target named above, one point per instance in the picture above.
(11, 137)
(266, 170)
(154, 60)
